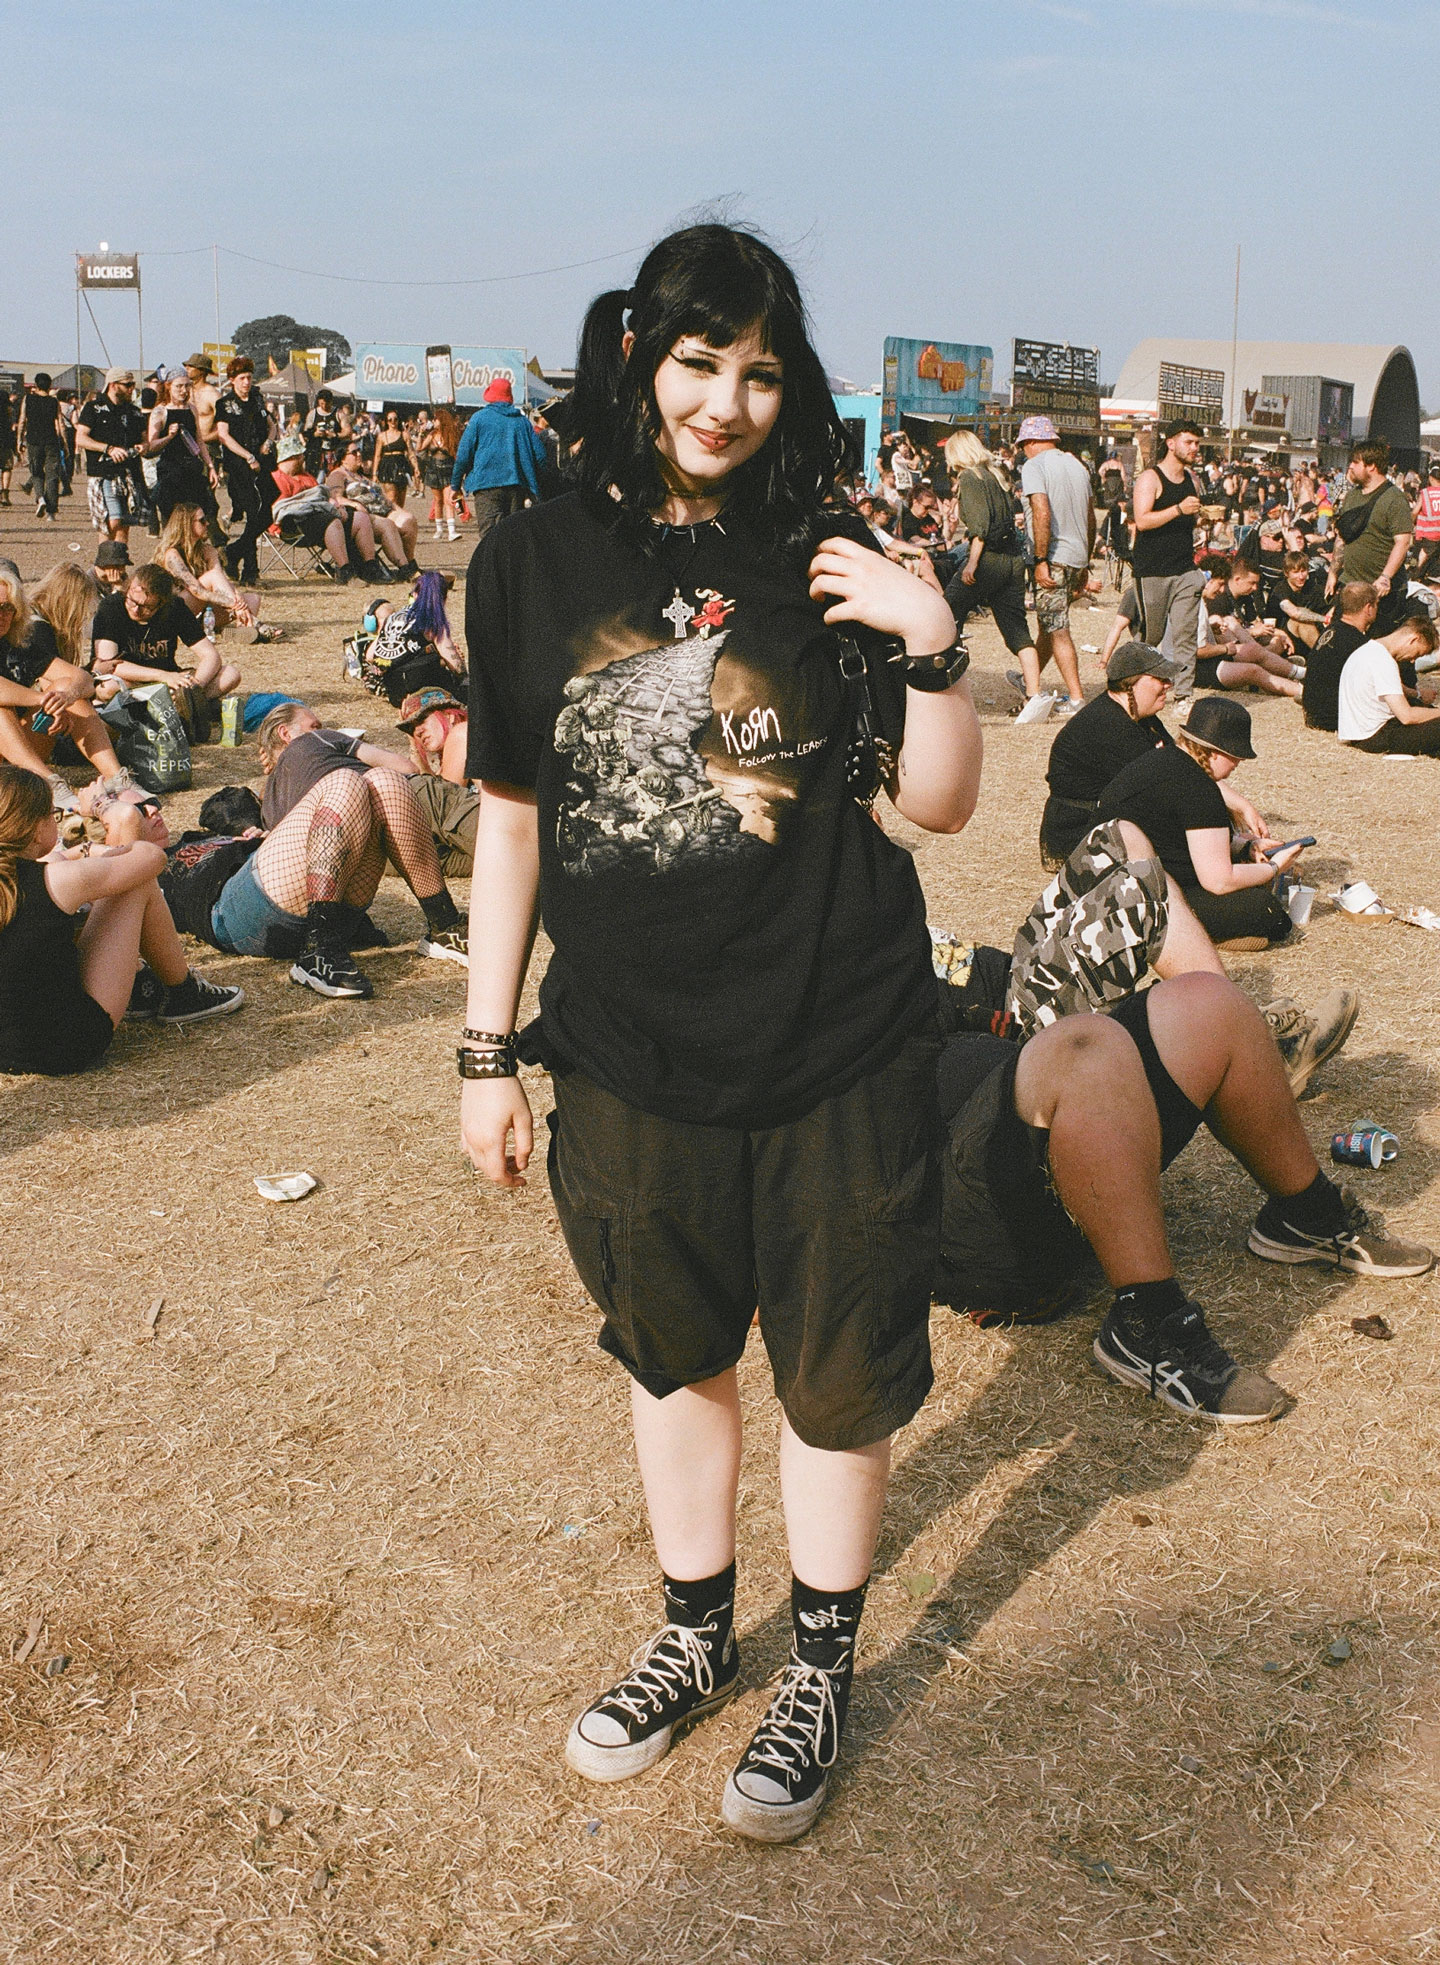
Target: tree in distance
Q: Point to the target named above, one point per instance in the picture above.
(272, 336)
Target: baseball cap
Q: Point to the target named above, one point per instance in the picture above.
(424, 702)
(119, 375)
(1135, 658)
(1221, 723)
(1037, 429)
(112, 552)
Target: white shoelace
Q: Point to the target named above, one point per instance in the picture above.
(795, 1727)
(654, 1679)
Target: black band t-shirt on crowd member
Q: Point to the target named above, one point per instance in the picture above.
(1167, 794)
(1320, 691)
(119, 426)
(305, 760)
(150, 643)
(1311, 597)
(1095, 744)
(919, 525)
(1168, 549)
(26, 663)
(247, 422)
(735, 939)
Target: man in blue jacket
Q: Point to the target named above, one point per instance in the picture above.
(499, 459)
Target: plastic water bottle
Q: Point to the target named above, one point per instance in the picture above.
(208, 622)
(231, 720)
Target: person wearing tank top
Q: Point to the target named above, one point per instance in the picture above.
(1168, 583)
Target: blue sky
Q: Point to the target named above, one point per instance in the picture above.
(966, 170)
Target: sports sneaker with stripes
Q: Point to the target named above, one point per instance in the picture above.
(1177, 1360)
(330, 970)
(448, 944)
(779, 1787)
(1358, 1243)
(678, 1676)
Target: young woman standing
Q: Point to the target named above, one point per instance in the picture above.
(738, 1013)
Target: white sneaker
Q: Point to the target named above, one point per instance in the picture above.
(1038, 709)
(453, 533)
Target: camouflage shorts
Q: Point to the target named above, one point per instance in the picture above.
(1052, 604)
(1092, 936)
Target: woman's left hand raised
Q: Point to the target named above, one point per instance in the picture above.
(867, 587)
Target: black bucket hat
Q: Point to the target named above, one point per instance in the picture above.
(1223, 724)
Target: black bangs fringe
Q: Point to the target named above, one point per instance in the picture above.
(715, 283)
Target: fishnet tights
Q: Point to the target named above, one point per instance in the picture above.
(334, 844)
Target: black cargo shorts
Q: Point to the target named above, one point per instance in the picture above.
(830, 1225)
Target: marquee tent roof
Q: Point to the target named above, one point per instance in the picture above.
(1387, 395)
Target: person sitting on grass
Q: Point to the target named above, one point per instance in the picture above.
(335, 809)
(1113, 729)
(136, 637)
(193, 563)
(1055, 1152)
(1376, 711)
(112, 567)
(40, 684)
(1358, 605)
(1173, 795)
(1243, 653)
(64, 994)
(1298, 603)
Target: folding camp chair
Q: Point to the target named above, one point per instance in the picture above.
(285, 546)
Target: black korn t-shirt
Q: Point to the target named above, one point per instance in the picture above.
(735, 939)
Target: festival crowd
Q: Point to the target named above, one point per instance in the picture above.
(697, 644)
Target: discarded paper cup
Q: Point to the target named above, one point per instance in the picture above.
(1299, 901)
(285, 1187)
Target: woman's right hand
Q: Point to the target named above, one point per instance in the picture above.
(491, 1111)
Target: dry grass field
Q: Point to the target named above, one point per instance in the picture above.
(302, 1580)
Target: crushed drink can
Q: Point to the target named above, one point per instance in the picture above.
(232, 720)
(1366, 1144)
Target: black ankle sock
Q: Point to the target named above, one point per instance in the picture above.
(694, 1604)
(825, 1624)
(440, 911)
(1146, 1305)
(1316, 1210)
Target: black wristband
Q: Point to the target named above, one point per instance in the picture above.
(933, 673)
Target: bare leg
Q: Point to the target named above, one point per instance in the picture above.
(1256, 675)
(1080, 1078)
(17, 746)
(1030, 666)
(363, 533)
(93, 740)
(1217, 1047)
(388, 535)
(336, 543)
(833, 1504)
(688, 1449)
(1061, 646)
(120, 930)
